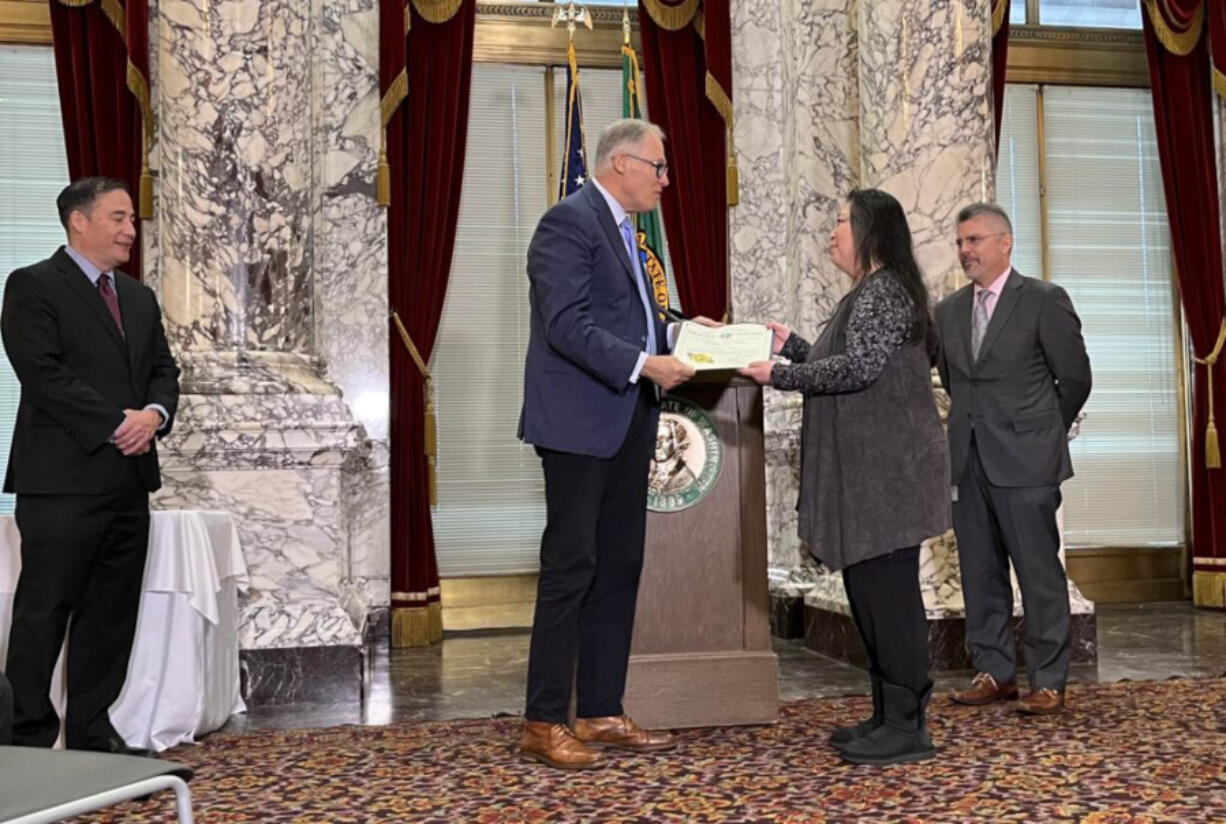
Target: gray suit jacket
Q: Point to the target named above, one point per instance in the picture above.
(1025, 389)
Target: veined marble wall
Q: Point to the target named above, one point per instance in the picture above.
(796, 98)
(350, 294)
(926, 119)
(270, 261)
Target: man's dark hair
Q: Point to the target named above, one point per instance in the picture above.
(977, 209)
(79, 196)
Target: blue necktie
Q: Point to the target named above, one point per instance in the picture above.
(647, 301)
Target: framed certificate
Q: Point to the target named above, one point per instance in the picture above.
(725, 347)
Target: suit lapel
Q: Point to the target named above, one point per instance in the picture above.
(605, 217)
(1004, 307)
(79, 283)
(127, 290)
(962, 322)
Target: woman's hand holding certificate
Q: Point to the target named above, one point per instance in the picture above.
(723, 347)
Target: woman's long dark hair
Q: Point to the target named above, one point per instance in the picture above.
(883, 239)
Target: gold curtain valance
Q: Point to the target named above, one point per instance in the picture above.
(436, 11)
(671, 17)
(1177, 41)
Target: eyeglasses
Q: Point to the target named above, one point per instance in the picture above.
(660, 166)
(975, 240)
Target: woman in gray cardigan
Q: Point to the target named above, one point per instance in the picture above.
(874, 479)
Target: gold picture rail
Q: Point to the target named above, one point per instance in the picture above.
(25, 21)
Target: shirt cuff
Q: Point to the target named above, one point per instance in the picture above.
(161, 410)
(638, 367)
(671, 335)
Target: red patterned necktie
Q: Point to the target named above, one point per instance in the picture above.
(110, 299)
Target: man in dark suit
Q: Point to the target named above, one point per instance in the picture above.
(1016, 370)
(591, 388)
(98, 383)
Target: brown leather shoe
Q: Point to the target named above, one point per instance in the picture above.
(1042, 701)
(553, 744)
(621, 732)
(985, 690)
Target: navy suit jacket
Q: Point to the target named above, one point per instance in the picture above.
(588, 328)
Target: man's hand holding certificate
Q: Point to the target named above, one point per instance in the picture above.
(722, 347)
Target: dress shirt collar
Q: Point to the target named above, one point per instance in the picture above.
(619, 213)
(997, 286)
(91, 271)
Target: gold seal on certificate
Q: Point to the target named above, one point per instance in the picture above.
(723, 347)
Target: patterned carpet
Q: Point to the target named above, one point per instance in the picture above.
(1128, 752)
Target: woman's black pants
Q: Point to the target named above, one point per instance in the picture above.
(888, 609)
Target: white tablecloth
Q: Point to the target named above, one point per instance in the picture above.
(183, 676)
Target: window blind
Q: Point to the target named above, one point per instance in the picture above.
(491, 494)
(1108, 246)
(33, 170)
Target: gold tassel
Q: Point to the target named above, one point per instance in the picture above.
(1213, 455)
(383, 182)
(392, 98)
(430, 425)
(417, 626)
(146, 193)
(734, 183)
(1209, 589)
(430, 436)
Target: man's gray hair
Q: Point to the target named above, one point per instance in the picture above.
(622, 134)
(977, 209)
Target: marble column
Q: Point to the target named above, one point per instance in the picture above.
(269, 261)
(796, 113)
(926, 118)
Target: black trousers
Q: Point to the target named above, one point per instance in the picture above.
(888, 609)
(82, 558)
(995, 525)
(591, 558)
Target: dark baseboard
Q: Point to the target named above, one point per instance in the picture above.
(835, 635)
(787, 616)
(302, 675)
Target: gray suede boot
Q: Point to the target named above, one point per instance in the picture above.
(842, 736)
(902, 737)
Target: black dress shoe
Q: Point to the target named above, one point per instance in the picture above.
(117, 746)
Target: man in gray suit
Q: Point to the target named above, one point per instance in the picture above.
(1016, 370)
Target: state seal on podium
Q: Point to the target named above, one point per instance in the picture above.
(688, 457)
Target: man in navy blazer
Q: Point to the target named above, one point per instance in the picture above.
(594, 371)
(98, 385)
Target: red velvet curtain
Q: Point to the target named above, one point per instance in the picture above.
(102, 67)
(1181, 83)
(688, 80)
(1000, 60)
(425, 141)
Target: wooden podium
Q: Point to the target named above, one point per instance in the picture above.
(701, 654)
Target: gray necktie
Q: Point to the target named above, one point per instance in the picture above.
(979, 322)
